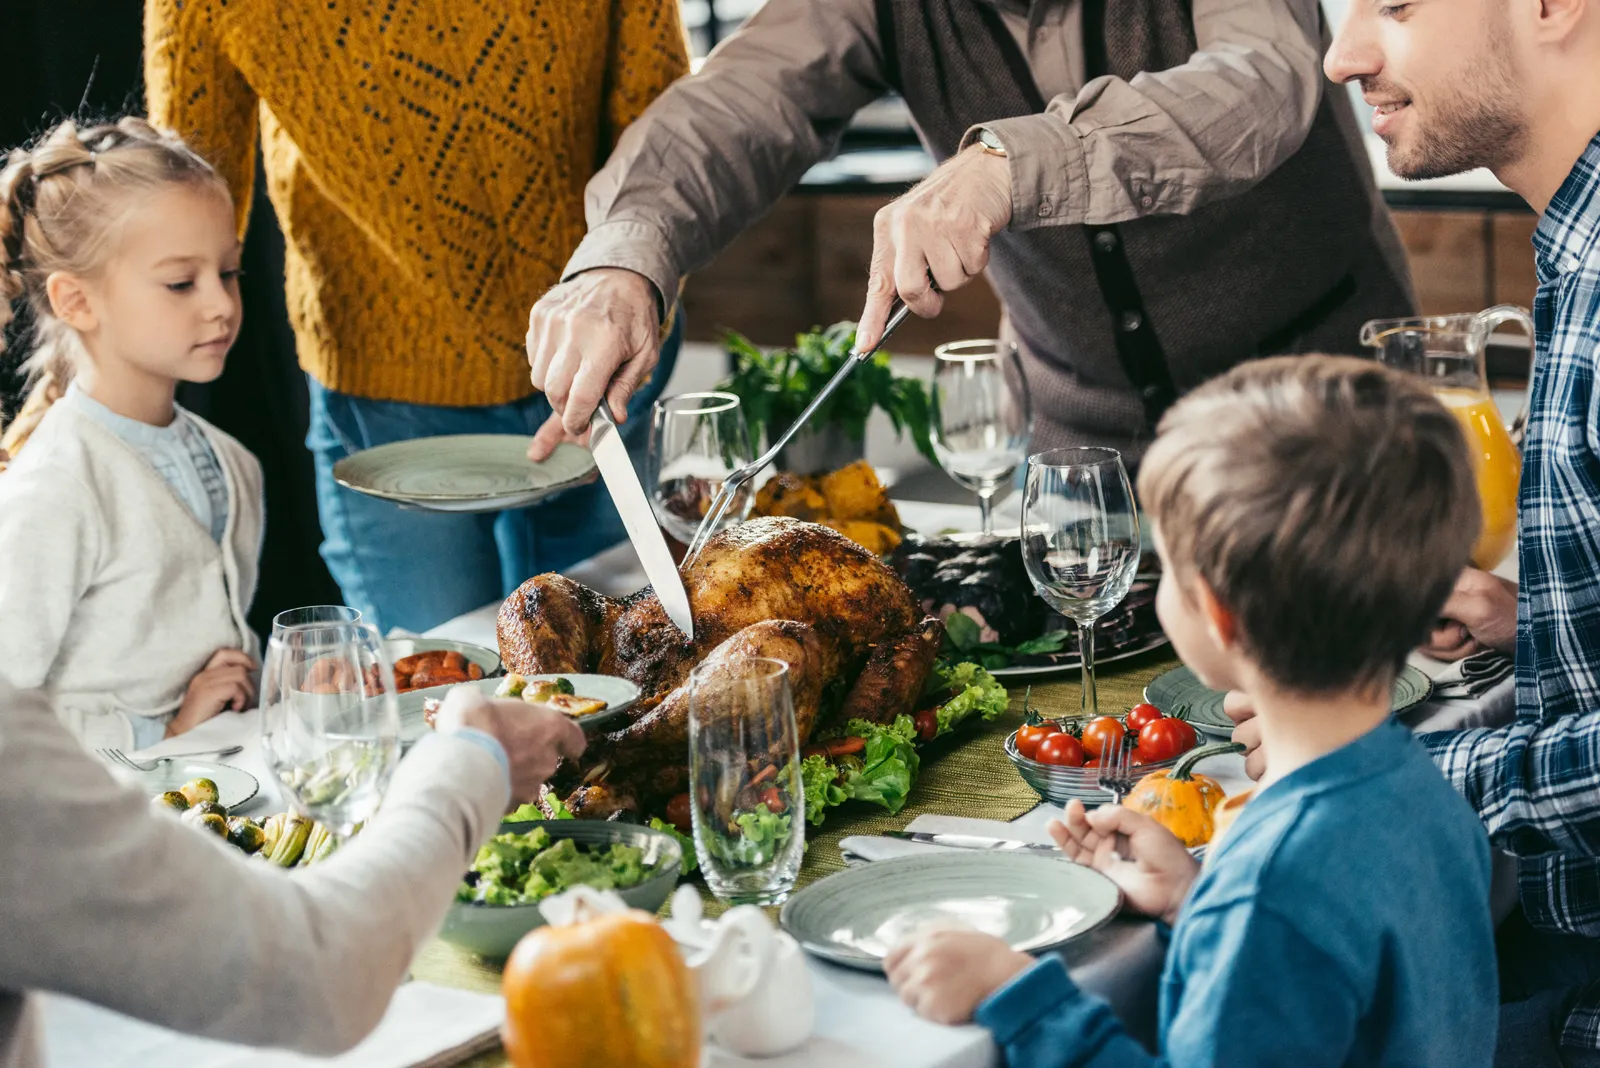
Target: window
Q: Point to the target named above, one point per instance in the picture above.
(709, 21)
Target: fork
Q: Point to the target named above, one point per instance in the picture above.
(735, 482)
(117, 756)
(1115, 774)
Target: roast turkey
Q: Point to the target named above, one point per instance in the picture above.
(849, 628)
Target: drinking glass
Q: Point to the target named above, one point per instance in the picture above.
(982, 417)
(317, 613)
(1080, 540)
(746, 801)
(696, 441)
(330, 727)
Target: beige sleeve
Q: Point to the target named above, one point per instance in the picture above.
(202, 939)
(717, 149)
(1167, 143)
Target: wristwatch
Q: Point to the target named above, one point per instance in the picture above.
(987, 141)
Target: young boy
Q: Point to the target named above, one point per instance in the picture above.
(1312, 514)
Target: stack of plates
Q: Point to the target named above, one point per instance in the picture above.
(1060, 784)
(1180, 693)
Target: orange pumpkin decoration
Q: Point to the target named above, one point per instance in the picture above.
(1181, 801)
(613, 990)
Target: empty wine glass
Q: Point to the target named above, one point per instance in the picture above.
(330, 726)
(696, 441)
(317, 613)
(982, 417)
(746, 801)
(1080, 540)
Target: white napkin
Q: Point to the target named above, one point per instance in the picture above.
(1473, 676)
(426, 1026)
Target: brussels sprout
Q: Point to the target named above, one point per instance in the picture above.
(246, 834)
(214, 823)
(511, 686)
(198, 790)
(210, 807)
(171, 799)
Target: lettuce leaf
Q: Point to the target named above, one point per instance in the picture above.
(976, 692)
(888, 766)
(690, 860)
(762, 835)
(822, 792)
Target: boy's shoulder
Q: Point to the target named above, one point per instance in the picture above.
(1347, 836)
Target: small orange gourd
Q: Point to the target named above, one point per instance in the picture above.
(612, 990)
(1181, 801)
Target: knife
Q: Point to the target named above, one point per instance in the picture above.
(972, 841)
(622, 481)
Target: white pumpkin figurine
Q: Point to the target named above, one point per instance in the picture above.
(755, 989)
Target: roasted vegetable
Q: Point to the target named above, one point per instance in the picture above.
(212, 822)
(291, 843)
(246, 834)
(545, 689)
(271, 829)
(324, 849)
(209, 808)
(171, 799)
(198, 790)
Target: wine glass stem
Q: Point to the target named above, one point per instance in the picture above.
(986, 510)
(1091, 700)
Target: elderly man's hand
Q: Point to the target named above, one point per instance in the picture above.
(536, 738)
(935, 238)
(1247, 732)
(596, 336)
(1480, 614)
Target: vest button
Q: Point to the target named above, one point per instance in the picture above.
(1131, 321)
(1105, 241)
(1045, 210)
(1147, 201)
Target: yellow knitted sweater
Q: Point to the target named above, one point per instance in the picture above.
(426, 159)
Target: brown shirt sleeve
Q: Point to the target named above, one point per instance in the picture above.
(1167, 143)
(718, 149)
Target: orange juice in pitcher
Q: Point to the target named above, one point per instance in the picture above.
(1448, 352)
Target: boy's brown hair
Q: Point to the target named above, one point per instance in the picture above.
(1330, 504)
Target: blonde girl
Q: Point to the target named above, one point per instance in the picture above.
(129, 527)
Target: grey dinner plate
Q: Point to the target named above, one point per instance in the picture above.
(235, 786)
(1033, 903)
(1180, 693)
(462, 472)
(619, 695)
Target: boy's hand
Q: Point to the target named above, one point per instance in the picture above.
(945, 973)
(1153, 868)
(224, 683)
(1247, 732)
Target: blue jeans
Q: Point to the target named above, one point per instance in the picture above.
(1542, 973)
(415, 570)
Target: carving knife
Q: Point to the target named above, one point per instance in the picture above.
(622, 481)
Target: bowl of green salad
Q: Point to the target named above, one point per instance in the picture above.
(499, 897)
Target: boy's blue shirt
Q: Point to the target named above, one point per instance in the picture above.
(1343, 920)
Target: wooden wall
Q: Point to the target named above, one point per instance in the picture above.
(806, 264)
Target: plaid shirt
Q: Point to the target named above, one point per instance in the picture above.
(1536, 783)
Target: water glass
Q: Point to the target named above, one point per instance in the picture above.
(696, 441)
(981, 418)
(1080, 540)
(747, 804)
(330, 726)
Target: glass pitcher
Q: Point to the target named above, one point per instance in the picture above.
(1448, 351)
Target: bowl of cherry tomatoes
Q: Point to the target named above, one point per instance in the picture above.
(1060, 758)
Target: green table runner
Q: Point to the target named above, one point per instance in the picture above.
(966, 774)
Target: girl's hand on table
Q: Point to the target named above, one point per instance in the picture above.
(945, 973)
(224, 683)
(1142, 857)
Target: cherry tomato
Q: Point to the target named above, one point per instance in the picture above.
(1141, 714)
(927, 722)
(678, 813)
(772, 797)
(1062, 750)
(1166, 738)
(1102, 733)
(1029, 735)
